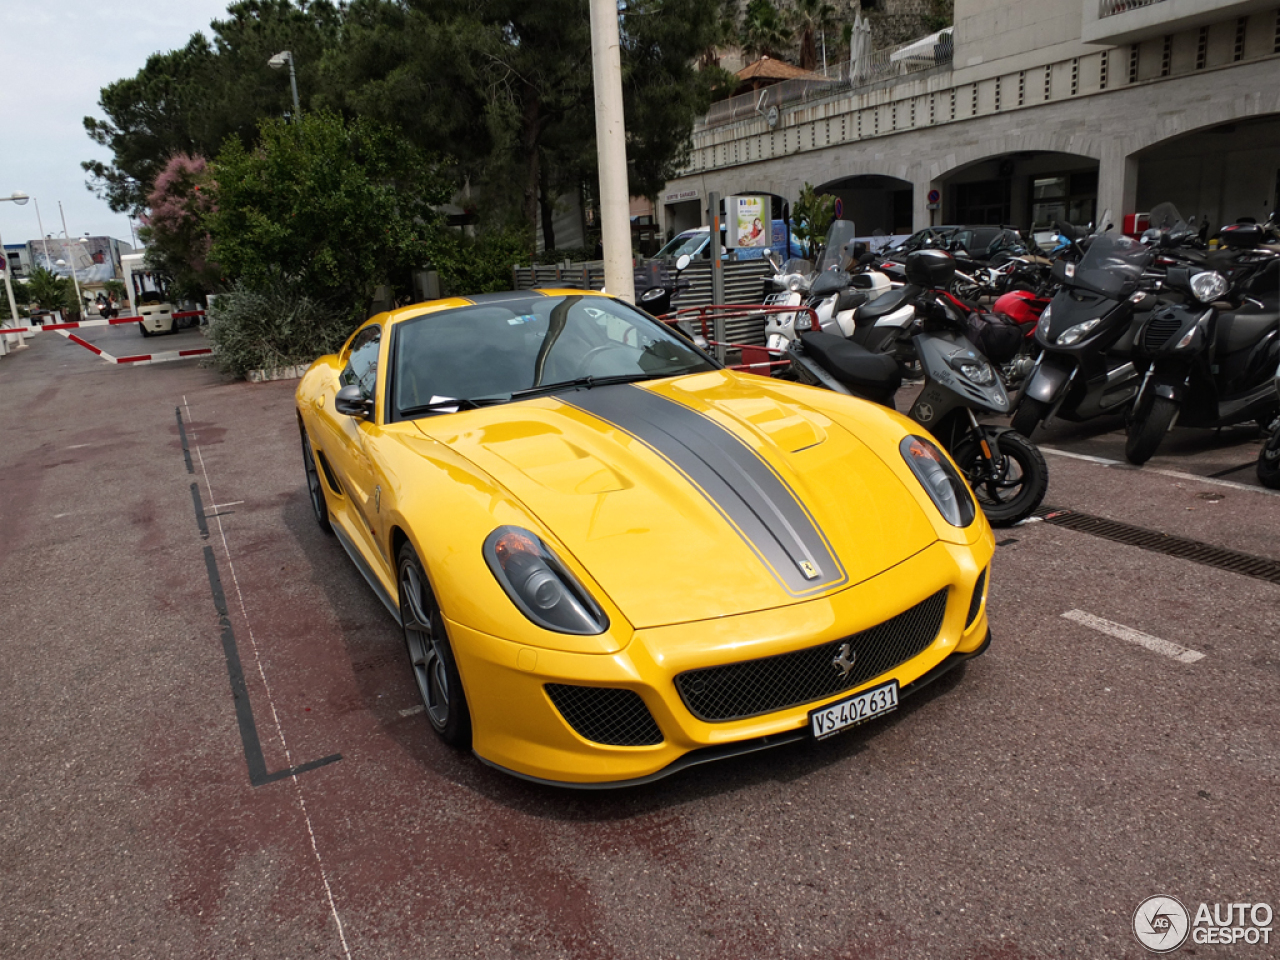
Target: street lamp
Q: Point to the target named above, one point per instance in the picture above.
(74, 278)
(277, 63)
(19, 198)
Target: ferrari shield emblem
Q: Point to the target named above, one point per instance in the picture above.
(808, 569)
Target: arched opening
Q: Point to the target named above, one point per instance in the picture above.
(873, 202)
(1221, 174)
(1026, 189)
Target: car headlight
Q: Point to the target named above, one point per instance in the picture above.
(940, 480)
(983, 374)
(1077, 333)
(1209, 286)
(539, 585)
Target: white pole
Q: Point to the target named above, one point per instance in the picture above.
(48, 264)
(13, 305)
(74, 279)
(611, 145)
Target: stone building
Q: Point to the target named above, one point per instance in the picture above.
(1042, 110)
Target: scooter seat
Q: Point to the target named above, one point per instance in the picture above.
(883, 305)
(872, 375)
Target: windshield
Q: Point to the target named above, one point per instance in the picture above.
(837, 249)
(1112, 266)
(492, 350)
(685, 243)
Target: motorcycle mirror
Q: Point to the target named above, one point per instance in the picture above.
(682, 262)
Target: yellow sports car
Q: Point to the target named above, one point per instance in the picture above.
(613, 558)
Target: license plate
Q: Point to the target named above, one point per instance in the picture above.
(857, 709)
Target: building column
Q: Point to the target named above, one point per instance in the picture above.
(1117, 187)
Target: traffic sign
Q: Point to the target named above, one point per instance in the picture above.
(934, 196)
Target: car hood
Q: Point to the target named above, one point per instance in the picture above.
(700, 496)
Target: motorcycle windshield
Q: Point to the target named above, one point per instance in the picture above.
(1112, 266)
(838, 248)
(797, 265)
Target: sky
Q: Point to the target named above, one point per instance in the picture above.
(55, 57)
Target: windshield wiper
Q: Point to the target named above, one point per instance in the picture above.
(588, 383)
(448, 404)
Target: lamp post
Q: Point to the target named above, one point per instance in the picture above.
(19, 198)
(277, 63)
(74, 279)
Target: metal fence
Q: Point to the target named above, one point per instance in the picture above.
(833, 80)
(743, 283)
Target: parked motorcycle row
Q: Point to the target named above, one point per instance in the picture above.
(1160, 329)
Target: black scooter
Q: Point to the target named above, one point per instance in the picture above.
(1006, 471)
(1202, 366)
(1085, 336)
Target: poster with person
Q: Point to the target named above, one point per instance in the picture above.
(748, 222)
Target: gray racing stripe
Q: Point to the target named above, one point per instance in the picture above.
(745, 490)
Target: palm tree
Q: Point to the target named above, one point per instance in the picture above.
(808, 19)
(764, 31)
(48, 291)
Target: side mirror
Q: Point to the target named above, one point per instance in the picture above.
(353, 403)
(682, 262)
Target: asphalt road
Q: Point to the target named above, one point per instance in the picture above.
(212, 749)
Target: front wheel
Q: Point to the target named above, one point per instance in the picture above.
(1013, 484)
(434, 669)
(1146, 430)
(315, 486)
(1269, 461)
(1029, 415)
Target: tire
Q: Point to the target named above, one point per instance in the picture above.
(1021, 480)
(430, 656)
(1269, 461)
(142, 325)
(1028, 416)
(315, 486)
(1146, 431)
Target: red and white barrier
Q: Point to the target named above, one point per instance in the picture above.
(141, 359)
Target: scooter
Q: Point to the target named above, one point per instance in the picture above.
(839, 285)
(1202, 366)
(1085, 335)
(1006, 471)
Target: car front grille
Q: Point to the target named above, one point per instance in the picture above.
(608, 715)
(753, 687)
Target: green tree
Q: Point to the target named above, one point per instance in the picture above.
(333, 208)
(811, 218)
(48, 291)
(190, 100)
(764, 31)
(21, 296)
(808, 19)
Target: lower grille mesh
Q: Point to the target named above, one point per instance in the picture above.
(737, 690)
(607, 715)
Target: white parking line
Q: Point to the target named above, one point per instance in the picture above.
(1121, 632)
(1176, 474)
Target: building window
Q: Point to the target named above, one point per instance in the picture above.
(1241, 26)
(1133, 63)
(1072, 197)
(1166, 59)
(1102, 69)
(1202, 51)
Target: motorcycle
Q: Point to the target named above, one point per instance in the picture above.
(840, 283)
(1006, 471)
(1208, 358)
(1085, 335)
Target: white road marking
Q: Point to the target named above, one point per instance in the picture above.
(219, 506)
(275, 716)
(1175, 474)
(410, 711)
(1121, 632)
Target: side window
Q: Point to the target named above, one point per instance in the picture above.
(362, 363)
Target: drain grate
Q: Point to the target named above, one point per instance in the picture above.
(1245, 564)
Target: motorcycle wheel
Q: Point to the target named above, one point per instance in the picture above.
(1020, 481)
(1028, 416)
(1269, 461)
(1146, 430)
